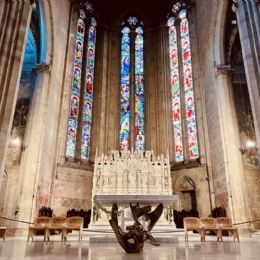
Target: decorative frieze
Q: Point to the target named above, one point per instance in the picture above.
(132, 172)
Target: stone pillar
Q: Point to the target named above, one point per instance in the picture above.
(165, 133)
(34, 148)
(151, 91)
(14, 23)
(248, 19)
(98, 134)
(233, 175)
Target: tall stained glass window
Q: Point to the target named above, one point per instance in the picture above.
(80, 116)
(181, 82)
(132, 81)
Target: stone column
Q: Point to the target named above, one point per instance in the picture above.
(100, 92)
(165, 133)
(233, 175)
(14, 24)
(34, 148)
(248, 19)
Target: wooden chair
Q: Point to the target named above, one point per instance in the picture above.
(225, 224)
(74, 223)
(193, 224)
(3, 232)
(40, 224)
(57, 223)
(210, 224)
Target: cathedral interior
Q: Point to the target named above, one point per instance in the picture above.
(81, 79)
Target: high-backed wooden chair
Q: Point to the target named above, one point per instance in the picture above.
(57, 223)
(40, 224)
(210, 224)
(225, 224)
(3, 232)
(193, 224)
(74, 223)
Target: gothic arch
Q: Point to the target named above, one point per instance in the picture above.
(186, 190)
(219, 29)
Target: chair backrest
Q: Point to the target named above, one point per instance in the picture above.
(191, 222)
(43, 220)
(75, 221)
(59, 220)
(224, 222)
(208, 222)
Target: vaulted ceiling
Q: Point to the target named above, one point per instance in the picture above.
(146, 9)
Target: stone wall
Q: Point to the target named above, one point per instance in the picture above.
(72, 190)
(199, 177)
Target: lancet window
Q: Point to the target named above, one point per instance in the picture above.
(81, 101)
(181, 82)
(132, 85)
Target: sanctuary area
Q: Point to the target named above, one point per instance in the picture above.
(159, 100)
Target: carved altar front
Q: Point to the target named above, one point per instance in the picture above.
(130, 173)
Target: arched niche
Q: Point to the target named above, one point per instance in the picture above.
(186, 190)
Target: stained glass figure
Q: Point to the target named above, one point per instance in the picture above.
(88, 97)
(139, 90)
(175, 90)
(76, 85)
(125, 90)
(188, 86)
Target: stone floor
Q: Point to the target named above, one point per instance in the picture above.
(17, 248)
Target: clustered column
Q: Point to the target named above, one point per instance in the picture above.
(248, 19)
(14, 23)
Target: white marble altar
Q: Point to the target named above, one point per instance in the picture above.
(131, 173)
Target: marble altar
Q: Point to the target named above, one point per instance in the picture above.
(132, 176)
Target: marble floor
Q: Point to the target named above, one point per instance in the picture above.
(17, 248)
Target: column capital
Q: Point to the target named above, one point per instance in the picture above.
(42, 68)
(223, 69)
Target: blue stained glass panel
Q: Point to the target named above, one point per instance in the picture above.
(88, 97)
(125, 90)
(76, 84)
(139, 90)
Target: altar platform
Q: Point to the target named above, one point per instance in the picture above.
(125, 200)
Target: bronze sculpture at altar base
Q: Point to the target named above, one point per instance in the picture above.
(144, 217)
(133, 240)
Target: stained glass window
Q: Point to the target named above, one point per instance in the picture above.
(125, 90)
(132, 35)
(139, 89)
(76, 86)
(78, 89)
(175, 90)
(88, 99)
(182, 89)
(188, 86)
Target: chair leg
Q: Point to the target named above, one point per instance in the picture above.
(186, 236)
